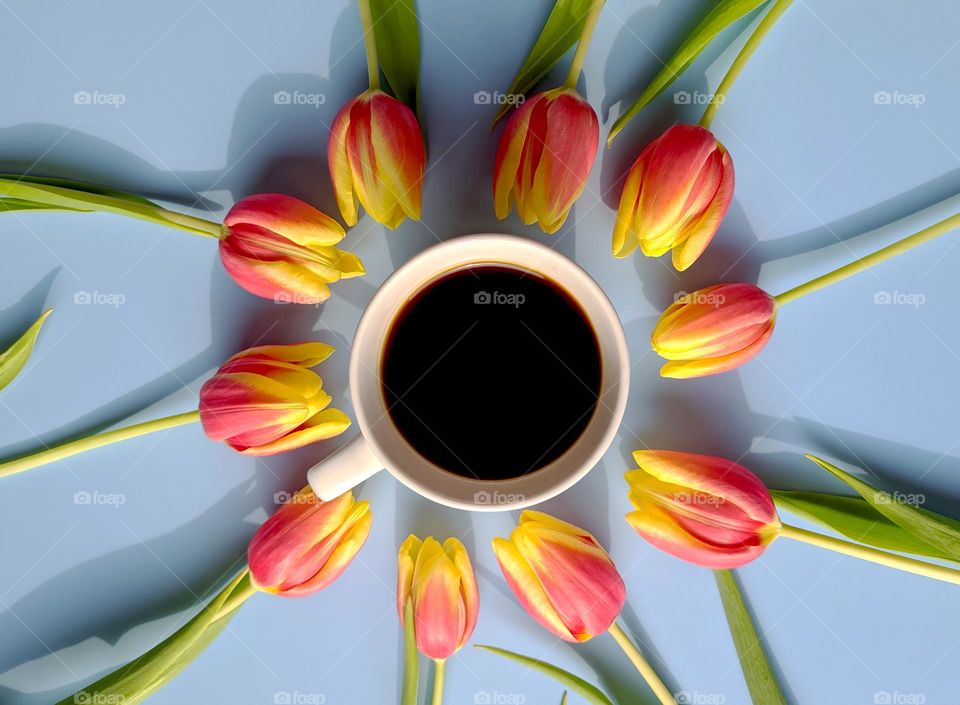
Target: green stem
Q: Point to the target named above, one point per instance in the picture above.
(857, 266)
(642, 665)
(243, 590)
(873, 555)
(74, 199)
(580, 55)
(65, 450)
(409, 689)
(370, 44)
(770, 19)
(440, 666)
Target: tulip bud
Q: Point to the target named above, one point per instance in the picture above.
(266, 400)
(561, 575)
(544, 158)
(675, 195)
(440, 581)
(714, 330)
(307, 543)
(281, 248)
(703, 509)
(376, 156)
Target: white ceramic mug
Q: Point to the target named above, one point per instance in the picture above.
(380, 445)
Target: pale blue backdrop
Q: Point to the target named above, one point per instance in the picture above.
(845, 121)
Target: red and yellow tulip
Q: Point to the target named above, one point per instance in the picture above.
(376, 157)
(675, 195)
(562, 576)
(439, 579)
(266, 400)
(703, 509)
(544, 157)
(714, 330)
(281, 248)
(307, 543)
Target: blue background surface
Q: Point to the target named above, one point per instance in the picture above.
(822, 168)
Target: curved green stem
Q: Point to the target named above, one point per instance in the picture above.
(873, 555)
(369, 43)
(580, 55)
(438, 671)
(65, 450)
(770, 19)
(642, 665)
(76, 200)
(242, 591)
(857, 266)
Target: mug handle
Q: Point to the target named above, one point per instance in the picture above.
(343, 470)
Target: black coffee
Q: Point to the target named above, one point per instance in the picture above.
(491, 371)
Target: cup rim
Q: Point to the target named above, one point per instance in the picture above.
(439, 484)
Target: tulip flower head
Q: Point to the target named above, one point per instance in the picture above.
(267, 400)
(675, 195)
(307, 543)
(544, 157)
(281, 248)
(439, 579)
(713, 330)
(562, 576)
(703, 509)
(376, 157)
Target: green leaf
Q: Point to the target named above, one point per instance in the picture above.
(563, 698)
(79, 186)
(15, 357)
(19, 204)
(723, 14)
(856, 519)
(397, 36)
(585, 690)
(761, 681)
(139, 679)
(411, 660)
(941, 532)
(560, 32)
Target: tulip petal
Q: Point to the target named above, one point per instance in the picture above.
(526, 586)
(507, 163)
(700, 231)
(406, 563)
(688, 369)
(398, 145)
(570, 146)
(438, 611)
(338, 162)
(242, 403)
(469, 592)
(308, 354)
(322, 425)
(625, 239)
(296, 219)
